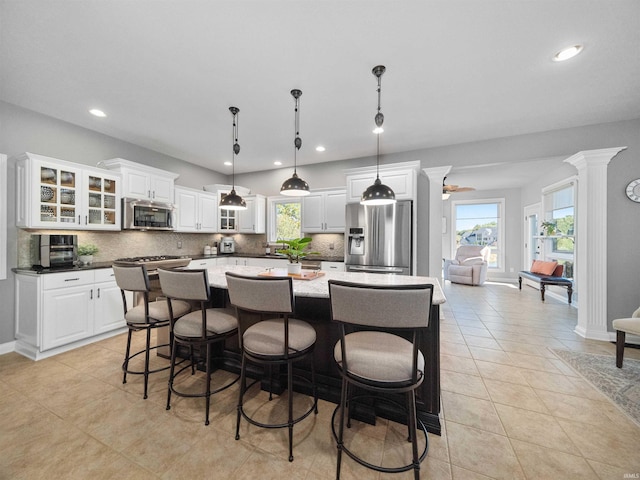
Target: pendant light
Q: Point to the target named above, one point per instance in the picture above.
(295, 186)
(233, 201)
(378, 193)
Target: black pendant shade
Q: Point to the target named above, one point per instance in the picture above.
(295, 186)
(378, 193)
(233, 201)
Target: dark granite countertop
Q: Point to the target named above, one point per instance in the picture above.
(98, 265)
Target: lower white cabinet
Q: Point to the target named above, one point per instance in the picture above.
(332, 266)
(55, 310)
(266, 262)
(203, 263)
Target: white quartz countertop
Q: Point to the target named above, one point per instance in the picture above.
(319, 287)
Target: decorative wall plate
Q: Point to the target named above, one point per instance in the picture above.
(46, 194)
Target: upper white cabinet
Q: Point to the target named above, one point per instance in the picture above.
(142, 181)
(197, 211)
(56, 194)
(323, 211)
(401, 177)
(253, 219)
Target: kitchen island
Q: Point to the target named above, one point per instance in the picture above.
(312, 305)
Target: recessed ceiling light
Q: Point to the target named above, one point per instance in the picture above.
(378, 130)
(97, 112)
(228, 163)
(320, 148)
(567, 53)
(277, 162)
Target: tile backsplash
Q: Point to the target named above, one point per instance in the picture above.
(113, 245)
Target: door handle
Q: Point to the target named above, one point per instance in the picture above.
(98, 293)
(91, 294)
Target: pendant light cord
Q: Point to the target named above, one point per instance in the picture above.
(234, 136)
(296, 146)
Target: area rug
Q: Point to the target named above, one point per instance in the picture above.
(621, 385)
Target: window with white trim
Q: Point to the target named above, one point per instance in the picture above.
(480, 222)
(284, 218)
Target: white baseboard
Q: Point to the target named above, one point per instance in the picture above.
(7, 347)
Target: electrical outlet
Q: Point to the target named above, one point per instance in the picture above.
(331, 246)
(179, 244)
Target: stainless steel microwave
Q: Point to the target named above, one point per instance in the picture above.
(147, 215)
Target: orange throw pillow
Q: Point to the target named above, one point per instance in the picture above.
(543, 268)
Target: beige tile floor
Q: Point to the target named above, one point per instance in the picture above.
(510, 409)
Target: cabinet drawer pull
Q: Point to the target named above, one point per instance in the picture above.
(91, 294)
(98, 293)
(71, 279)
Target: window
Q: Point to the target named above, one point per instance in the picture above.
(559, 209)
(480, 222)
(284, 218)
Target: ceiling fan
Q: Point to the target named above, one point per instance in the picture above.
(449, 189)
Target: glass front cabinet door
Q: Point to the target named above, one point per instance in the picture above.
(101, 199)
(55, 198)
(56, 194)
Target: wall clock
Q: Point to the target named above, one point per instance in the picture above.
(633, 190)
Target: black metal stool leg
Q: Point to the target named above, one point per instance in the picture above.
(243, 370)
(343, 405)
(174, 348)
(125, 365)
(290, 401)
(146, 363)
(208, 391)
(414, 434)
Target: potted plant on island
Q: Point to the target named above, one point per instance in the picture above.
(86, 252)
(296, 250)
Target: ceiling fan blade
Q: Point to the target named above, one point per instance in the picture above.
(465, 189)
(449, 188)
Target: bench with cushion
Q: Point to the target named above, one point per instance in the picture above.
(547, 273)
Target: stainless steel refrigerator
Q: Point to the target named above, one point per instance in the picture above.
(378, 238)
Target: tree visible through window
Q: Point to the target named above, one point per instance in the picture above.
(285, 219)
(480, 224)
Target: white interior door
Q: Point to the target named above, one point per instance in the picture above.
(532, 215)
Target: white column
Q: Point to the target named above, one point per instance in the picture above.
(436, 177)
(591, 240)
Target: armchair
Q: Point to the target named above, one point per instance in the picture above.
(469, 265)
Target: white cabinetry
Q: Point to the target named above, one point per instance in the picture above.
(197, 211)
(332, 266)
(324, 211)
(142, 181)
(203, 263)
(252, 220)
(401, 177)
(56, 194)
(267, 262)
(59, 311)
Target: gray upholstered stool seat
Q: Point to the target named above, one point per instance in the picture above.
(267, 337)
(158, 312)
(379, 356)
(219, 321)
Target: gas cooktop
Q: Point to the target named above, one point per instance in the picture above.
(155, 261)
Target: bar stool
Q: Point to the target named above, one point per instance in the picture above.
(372, 356)
(201, 328)
(269, 336)
(145, 317)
